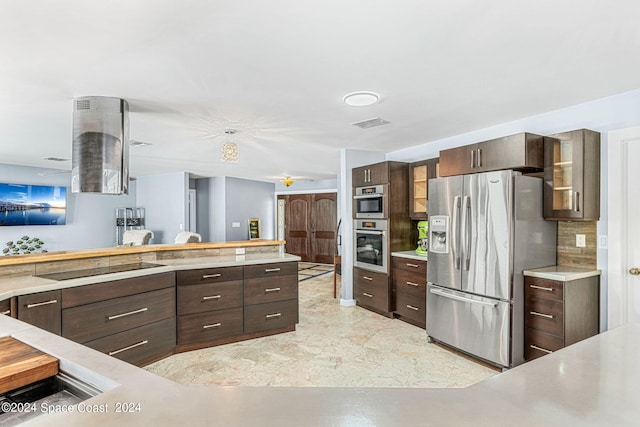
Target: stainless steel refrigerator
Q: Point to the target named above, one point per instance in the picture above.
(484, 230)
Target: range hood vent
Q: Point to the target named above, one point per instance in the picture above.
(100, 156)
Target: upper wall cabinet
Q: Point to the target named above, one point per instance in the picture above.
(522, 151)
(419, 175)
(375, 174)
(572, 176)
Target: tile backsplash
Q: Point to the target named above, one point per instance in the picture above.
(568, 253)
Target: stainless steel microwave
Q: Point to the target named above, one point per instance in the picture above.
(369, 202)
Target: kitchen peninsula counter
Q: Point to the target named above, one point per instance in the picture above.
(592, 383)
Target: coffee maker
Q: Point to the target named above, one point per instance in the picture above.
(423, 238)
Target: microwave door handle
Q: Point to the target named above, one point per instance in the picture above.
(456, 231)
(466, 206)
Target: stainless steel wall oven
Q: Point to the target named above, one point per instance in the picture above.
(370, 245)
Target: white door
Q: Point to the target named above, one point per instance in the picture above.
(624, 226)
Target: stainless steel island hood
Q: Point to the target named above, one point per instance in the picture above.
(100, 157)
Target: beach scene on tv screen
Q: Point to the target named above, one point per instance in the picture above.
(32, 204)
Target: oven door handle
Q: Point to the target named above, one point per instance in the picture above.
(369, 196)
(377, 233)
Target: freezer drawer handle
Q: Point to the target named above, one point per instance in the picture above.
(367, 278)
(463, 299)
(211, 276)
(6, 312)
(38, 304)
(211, 297)
(112, 353)
(535, 313)
(213, 325)
(542, 288)
(367, 295)
(117, 316)
(413, 265)
(413, 308)
(412, 284)
(535, 347)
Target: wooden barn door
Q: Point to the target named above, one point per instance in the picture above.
(310, 226)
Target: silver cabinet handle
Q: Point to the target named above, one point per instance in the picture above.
(479, 157)
(211, 297)
(111, 353)
(269, 316)
(211, 276)
(213, 325)
(271, 270)
(535, 313)
(38, 304)
(413, 265)
(412, 284)
(367, 295)
(117, 316)
(6, 312)
(413, 308)
(463, 299)
(473, 160)
(535, 347)
(367, 278)
(272, 290)
(542, 288)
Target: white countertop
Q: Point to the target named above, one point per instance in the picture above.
(561, 273)
(410, 255)
(13, 286)
(592, 383)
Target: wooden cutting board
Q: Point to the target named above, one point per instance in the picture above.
(21, 364)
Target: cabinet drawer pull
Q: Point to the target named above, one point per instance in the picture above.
(535, 347)
(6, 312)
(269, 316)
(272, 290)
(412, 284)
(211, 276)
(535, 313)
(138, 344)
(413, 265)
(542, 288)
(213, 325)
(413, 308)
(117, 316)
(367, 278)
(367, 295)
(271, 270)
(38, 304)
(211, 297)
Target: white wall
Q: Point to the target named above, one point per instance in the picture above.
(164, 198)
(90, 221)
(249, 199)
(602, 115)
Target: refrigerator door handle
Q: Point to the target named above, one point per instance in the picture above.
(456, 232)
(466, 207)
(463, 299)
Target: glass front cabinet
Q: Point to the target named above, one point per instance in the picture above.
(572, 176)
(419, 175)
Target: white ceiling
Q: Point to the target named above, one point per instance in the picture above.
(277, 71)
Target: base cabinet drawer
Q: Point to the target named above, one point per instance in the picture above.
(91, 321)
(376, 297)
(210, 326)
(411, 307)
(410, 283)
(544, 315)
(5, 307)
(537, 344)
(42, 310)
(270, 270)
(209, 296)
(271, 315)
(410, 265)
(270, 289)
(208, 275)
(140, 346)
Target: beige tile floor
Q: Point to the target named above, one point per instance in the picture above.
(332, 346)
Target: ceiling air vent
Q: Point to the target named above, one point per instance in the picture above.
(371, 123)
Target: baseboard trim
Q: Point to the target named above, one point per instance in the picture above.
(347, 302)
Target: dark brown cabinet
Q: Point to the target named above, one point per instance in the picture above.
(558, 314)
(42, 310)
(377, 173)
(131, 319)
(5, 307)
(371, 290)
(522, 152)
(419, 175)
(572, 176)
(409, 290)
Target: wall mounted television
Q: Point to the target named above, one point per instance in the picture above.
(22, 204)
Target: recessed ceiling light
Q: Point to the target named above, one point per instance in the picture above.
(361, 98)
